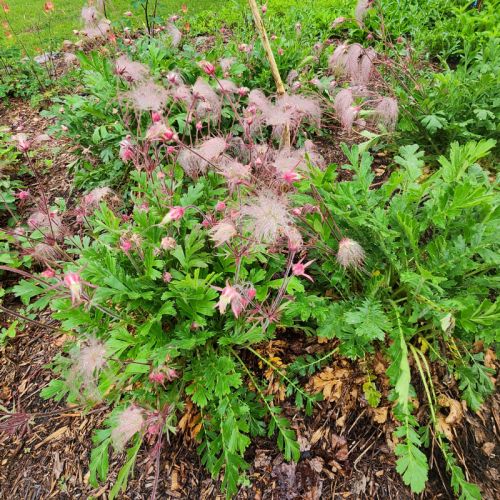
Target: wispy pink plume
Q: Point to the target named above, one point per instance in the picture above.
(94, 197)
(365, 70)
(175, 34)
(350, 253)
(343, 100)
(147, 96)
(222, 232)
(292, 76)
(195, 161)
(354, 52)
(91, 358)
(227, 86)
(49, 224)
(387, 112)
(129, 422)
(226, 63)
(131, 71)
(234, 172)
(209, 103)
(315, 157)
(266, 217)
(361, 9)
(337, 61)
(44, 253)
(95, 25)
(182, 93)
(288, 160)
(301, 108)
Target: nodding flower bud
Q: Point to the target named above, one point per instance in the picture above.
(127, 14)
(274, 37)
(281, 51)
(369, 36)
(399, 39)
(220, 207)
(48, 273)
(157, 377)
(169, 134)
(208, 68)
(264, 8)
(175, 214)
(23, 195)
(167, 277)
(168, 243)
(125, 245)
(156, 117)
(290, 177)
(74, 283)
(199, 126)
(243, 91)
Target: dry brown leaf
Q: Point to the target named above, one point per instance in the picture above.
(488, 448)
(380, 414)
(444, 427)
(456, 414)
(318, 434)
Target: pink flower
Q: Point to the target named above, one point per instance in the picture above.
(199, 126)
(243, 91)
(155, 116)
(157, 377)
(220, 207)
(208, 68)
(125, 245)
(350, 253)
(23, 195)
(231, 296)
(160, 175)
(167, 277)
(290, 177)
(280, 51)
(126, 150)
(74, 283)
(264, 8)
(159, 131)
(127, 14)
(175, 213)
(170, 150)
(48, 273)
(299, 269)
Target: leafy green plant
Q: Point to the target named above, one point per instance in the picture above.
(431, 256)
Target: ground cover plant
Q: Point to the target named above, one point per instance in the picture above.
(211, 224)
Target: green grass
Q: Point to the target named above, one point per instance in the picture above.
(35, 31)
